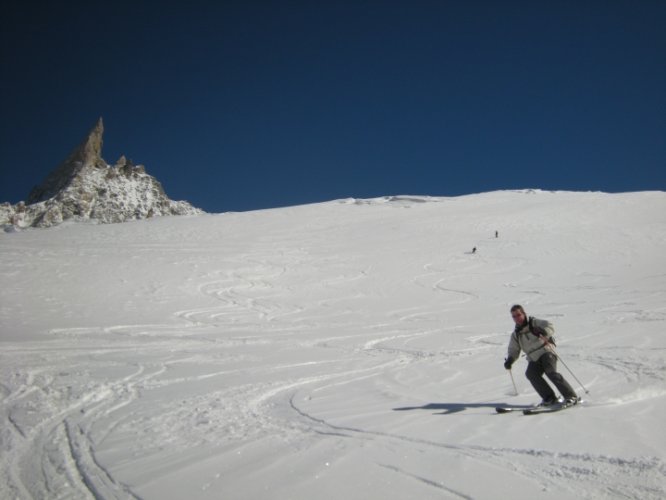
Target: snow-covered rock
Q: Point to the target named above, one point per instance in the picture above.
(85, 187)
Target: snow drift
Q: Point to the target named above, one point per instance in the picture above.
(350, 349)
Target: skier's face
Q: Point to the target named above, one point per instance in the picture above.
(518, 317)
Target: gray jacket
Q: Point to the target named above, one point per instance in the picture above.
(522, 339)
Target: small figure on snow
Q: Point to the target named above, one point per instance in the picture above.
(474, 250)
(496, 234)
(535, 338)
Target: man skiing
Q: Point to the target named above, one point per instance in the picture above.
(535, 338)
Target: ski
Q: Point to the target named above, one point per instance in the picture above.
(509, 409)
(550, 409)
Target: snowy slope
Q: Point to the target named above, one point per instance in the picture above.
(350, 349)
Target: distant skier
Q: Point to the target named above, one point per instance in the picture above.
(496, 234)
(474, 250)
(535, 337)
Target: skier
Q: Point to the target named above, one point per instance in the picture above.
(535, 337)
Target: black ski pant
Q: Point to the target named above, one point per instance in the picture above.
(547, 364)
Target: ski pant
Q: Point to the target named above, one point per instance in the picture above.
(547, 364)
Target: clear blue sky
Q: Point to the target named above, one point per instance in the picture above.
(239, 105)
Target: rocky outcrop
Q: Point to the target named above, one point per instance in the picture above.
(87, 154)
(85, 187)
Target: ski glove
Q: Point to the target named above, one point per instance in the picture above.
(508, 362)
(543, 336)
(537, 333)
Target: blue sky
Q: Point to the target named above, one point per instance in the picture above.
(245, 105)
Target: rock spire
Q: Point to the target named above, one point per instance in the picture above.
(87, 154)
(85, 187)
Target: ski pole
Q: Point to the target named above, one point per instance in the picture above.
(513, 382)
(547, 345)
(572, 373)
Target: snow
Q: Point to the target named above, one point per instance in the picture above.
(349, 349)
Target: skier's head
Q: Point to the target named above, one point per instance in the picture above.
(518, 314)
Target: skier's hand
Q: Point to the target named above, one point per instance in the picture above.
(508, 362)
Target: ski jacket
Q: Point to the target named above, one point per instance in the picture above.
(523, 339)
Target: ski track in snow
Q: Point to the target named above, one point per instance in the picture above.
(534, 464)
(314, 344)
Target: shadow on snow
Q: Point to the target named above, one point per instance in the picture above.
(450, 408)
